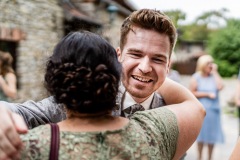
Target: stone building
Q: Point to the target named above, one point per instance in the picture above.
(29, 29)
(188, 53)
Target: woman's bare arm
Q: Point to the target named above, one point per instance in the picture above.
(236, 154)
(9, 85)
(189, 112)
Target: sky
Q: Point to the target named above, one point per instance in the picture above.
(192, 8)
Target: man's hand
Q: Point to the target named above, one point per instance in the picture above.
(11, 125)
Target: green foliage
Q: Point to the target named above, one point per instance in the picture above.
(224, 46)
(201, 28)
(225, 68)
(212, 18)
(222, 43)
(194, 32)
(176, 16)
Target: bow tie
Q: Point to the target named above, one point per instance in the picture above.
(132, 109)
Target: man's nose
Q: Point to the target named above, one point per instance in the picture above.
(145, 65)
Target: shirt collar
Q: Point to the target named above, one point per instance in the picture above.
(129, 101)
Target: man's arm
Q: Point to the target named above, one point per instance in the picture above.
(37, 113)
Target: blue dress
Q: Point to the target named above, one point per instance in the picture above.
(211, 131)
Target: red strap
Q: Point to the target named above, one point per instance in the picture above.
(54, 142)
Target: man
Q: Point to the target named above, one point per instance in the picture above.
(147, 41)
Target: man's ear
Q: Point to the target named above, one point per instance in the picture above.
(168, 66)
(119, 53)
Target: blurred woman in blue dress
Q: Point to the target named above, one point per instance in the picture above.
(205, 84)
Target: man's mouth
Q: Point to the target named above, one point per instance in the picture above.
(142, 79)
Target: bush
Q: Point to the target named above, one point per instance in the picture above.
(224, 46)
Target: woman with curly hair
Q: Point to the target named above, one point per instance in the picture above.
(84, 74)
(8, 87)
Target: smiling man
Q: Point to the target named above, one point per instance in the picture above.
(146, 43)
(145, 66)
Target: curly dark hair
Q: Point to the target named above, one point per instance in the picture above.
(83, 73)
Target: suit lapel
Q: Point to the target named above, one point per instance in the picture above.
(157, 101)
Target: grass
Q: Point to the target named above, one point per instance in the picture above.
(230, 110)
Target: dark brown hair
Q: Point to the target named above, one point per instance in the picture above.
(149, 19)
(83, 73)
(6, 63)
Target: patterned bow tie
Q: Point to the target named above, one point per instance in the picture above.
(132, 109)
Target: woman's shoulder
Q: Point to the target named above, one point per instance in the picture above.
(43, 130)
(157, 123)
(159, 114)
(36, 143)
(39, 134)
(10, 75)
(196, 75)
(159, 119)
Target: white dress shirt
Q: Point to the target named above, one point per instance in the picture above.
(129, 101)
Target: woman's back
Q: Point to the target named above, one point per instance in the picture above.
(146, 136)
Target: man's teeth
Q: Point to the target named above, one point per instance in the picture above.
(142, 79)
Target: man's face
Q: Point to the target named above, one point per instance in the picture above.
(145, 62)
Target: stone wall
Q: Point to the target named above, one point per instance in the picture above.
(99, 12)
(111, 31)
(41, 21)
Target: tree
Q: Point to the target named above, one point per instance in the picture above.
(224, 45)
(176, 16)
(194, 32)
(212, 19)
(206, 23)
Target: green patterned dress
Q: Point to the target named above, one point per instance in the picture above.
(149, 135)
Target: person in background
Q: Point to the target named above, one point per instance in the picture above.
(205, 84)
(83, 74)
(237, 99)
(8, 86)
(147, 40)
(235, 155)
(174, 74)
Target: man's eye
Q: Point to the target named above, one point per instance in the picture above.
(158, 60)
(134, 55)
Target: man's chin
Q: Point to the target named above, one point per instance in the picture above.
(139, 94)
